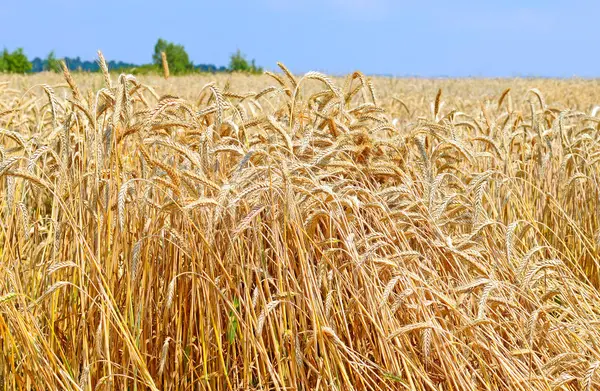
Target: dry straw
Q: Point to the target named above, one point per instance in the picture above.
(357, 234)
(165, 64)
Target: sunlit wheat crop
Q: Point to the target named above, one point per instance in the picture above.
(281, 232)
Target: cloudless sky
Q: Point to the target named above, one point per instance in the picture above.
(419, 37)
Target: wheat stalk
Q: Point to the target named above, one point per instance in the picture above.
(165, 64)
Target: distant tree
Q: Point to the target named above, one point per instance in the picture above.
(52, 63)
(75, 64)
(37, 65)
(177, 57)
(4, 61)
(239, 63)
(15, 62)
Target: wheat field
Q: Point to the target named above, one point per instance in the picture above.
(298, 232)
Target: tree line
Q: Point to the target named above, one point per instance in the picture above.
(178, 60)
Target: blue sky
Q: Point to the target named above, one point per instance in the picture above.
(419, 37)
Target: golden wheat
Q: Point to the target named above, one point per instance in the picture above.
(230, 232)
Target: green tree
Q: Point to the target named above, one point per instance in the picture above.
(52, 63)
(239, 63)
(177, 57)
(15, 62)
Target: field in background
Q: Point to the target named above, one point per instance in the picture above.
(461, 94)
(228, 232)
